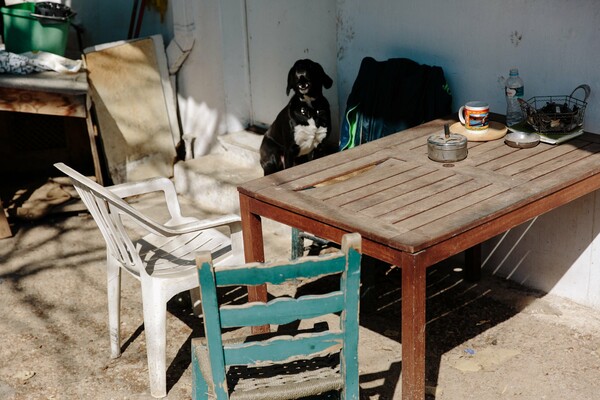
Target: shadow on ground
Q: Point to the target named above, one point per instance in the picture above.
(53, 291)
(457, 311)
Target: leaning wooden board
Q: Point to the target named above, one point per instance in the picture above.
(134, 105)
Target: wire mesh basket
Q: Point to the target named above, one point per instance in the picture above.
(555, 114)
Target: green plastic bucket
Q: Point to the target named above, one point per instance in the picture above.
(26, 31)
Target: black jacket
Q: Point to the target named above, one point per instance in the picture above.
(390, 96)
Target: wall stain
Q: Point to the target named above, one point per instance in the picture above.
(345, 34)
(515, 38)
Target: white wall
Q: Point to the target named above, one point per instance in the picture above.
(236, 74)
(201, 88)
(554, 43)
(557, 252)
(309, 30)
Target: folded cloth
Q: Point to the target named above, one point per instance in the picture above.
(29, 62)
(11, 63)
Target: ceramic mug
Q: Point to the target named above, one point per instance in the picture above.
(475, 116)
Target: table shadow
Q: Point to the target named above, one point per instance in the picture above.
(457, 311)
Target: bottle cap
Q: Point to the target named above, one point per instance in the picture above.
(514, 71)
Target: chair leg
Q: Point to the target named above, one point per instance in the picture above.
(297, 244)
(113, 276)
(155, 327)
(199, 385)
(196, 304)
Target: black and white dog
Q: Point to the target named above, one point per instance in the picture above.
(298, 132)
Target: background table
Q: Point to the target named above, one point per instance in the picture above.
(413, 212)
(49, 93)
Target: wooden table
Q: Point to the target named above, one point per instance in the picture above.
(413, 212)
(49, 93)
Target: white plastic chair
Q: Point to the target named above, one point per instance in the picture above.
(163, 261)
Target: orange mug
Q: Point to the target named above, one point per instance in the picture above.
(475, 116)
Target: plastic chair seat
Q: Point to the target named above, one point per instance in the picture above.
(170, 257)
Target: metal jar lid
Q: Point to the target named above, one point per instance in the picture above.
(448, 147)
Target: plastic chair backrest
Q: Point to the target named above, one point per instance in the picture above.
(283, 310)
(105, 206)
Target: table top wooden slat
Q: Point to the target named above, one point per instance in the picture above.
(376, 175)
(336, 216)
(406, 191)
(440, 204)
(536, 188)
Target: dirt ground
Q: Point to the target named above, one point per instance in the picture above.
(487, 340)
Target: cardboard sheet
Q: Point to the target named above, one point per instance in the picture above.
(135, 107)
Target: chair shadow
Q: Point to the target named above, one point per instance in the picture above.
(181, 362)
(182, 359)
(180, 307)
(385, 390)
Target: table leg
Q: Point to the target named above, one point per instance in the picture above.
(4, 226)
(254, 251)
(473, 263)
(413, 328)
(92, 135)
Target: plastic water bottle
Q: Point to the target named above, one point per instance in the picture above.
(514, 91)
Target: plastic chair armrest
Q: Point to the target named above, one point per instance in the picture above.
(178, 224)
(158, 184)
(231, 220)
(129, 189)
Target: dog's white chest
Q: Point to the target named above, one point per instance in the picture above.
(308, 137)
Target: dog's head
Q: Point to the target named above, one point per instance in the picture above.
(307, 78)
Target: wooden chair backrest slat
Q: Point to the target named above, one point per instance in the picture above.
(281, 310)
(282, 349)
(277, 272)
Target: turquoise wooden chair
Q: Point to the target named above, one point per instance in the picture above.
(279, 366)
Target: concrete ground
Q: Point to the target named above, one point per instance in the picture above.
(487, 340)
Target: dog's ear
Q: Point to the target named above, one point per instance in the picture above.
(291, 81)
(327, 81)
